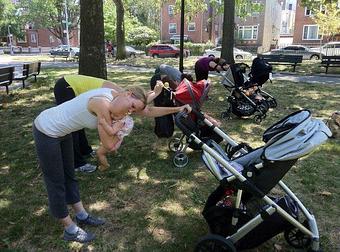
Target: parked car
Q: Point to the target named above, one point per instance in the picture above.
(163, 50)
(329, 49)
(130, 52)
(63, 51)
(238, 53)
(175, 39)
(306, 52)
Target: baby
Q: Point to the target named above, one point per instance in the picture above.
(118, 139)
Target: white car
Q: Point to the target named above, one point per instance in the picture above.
(238, 53)
(329, 49)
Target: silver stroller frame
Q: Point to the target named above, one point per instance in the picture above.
(217, 154)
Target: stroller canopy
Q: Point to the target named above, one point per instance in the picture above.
(294, 136)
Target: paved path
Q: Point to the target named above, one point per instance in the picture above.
(294, 77)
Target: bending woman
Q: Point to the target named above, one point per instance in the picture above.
(67, 88)
(52, 134)
(206, 64)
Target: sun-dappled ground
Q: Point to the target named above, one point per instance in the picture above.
(149, 205)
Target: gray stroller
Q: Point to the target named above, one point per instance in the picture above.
(240, 213)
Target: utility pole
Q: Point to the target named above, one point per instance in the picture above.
(181, 44)
(10, 40)
(66, 27)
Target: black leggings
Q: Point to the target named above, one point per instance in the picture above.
(56, 162)
(63, 92)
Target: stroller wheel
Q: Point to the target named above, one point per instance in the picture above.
(225, 115)
(258, 119)
(272, 103)
(180, 160)
(212, 243)
(296, 238)
(175, 144)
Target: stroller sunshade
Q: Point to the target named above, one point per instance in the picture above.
(294, 136)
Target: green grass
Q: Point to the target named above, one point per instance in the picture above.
(149, 205)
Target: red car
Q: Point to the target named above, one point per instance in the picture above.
(163, 51)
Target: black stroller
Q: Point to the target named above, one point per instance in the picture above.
(246, 97)
(240, 213)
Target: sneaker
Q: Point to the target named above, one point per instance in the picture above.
(93, 154)
(86, 168)
(90, 221)
(80, 236)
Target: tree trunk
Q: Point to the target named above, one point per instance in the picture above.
(210, 23)
(120, 32)
(92, 59)
(228, 31)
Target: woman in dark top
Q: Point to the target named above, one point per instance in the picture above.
(206, 64)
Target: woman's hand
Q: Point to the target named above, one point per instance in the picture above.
(158, 87)
(185, 108)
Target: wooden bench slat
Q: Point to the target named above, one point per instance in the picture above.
(29, 69)
(282, 59)
(6, 76)
(330, 61)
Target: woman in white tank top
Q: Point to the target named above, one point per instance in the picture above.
(52, 133)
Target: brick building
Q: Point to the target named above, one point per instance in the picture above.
(198, 30)
(306, 31)
(44, 38)
(261, 30)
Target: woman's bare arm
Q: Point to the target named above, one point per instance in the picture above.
(161, 111)
(100, 107)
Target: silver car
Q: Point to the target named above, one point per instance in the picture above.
(238, 53)
(306, 52)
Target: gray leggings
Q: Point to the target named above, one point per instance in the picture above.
(56, 161)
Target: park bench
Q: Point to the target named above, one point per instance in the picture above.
(6, 76)
(281, 59)
(330, 61)
(28, 70)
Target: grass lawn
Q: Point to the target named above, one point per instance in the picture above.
(149, 205)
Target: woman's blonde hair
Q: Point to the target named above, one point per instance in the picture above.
(139, 93)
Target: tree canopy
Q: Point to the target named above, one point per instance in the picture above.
(50, 14)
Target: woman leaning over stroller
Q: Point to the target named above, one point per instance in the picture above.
(52, 133)
(206, 64)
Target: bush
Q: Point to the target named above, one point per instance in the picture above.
(197, 49)
(141, 36)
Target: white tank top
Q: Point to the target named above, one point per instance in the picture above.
(70, 116)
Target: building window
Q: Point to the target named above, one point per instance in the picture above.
(310, 32)
(33, 38)
(172, 28)
(290, 6)
(192, 27)
(51, 39)
(171, 9)
(308, 12)
(247, 32)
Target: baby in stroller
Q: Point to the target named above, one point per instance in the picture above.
(246, 97)
(185, 91)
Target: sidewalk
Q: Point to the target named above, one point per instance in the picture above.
(288, 76)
